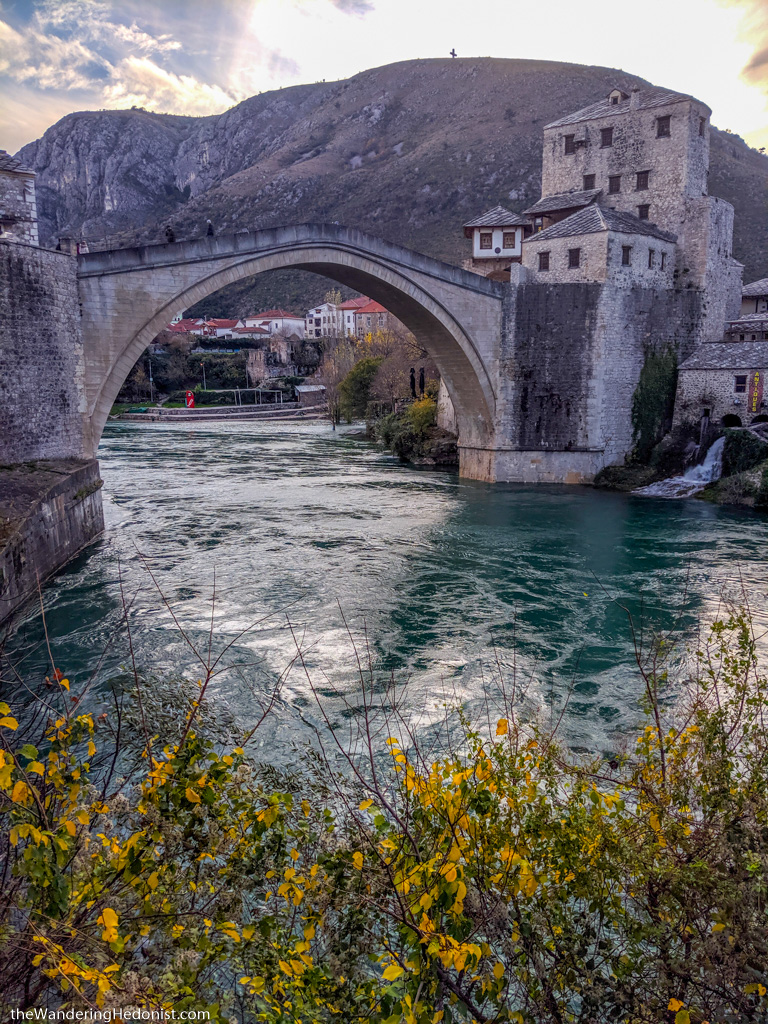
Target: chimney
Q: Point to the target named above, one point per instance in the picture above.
(634, 98)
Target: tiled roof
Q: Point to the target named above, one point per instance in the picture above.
(565, 201)
(222, 322)
(182, 326)
(750, 322)
(371, 307)
(498, 217)
(273, 314)
(355, 303)
(745, 355)
(648, 98)
(756, 288)
(595, 218)
(11, 163)
(249, 330)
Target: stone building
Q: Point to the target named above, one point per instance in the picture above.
(624, 254)
(725, 383)
(18, 206)
(497, 238)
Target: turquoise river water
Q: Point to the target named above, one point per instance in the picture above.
(446, 584)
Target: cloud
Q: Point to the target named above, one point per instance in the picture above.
(754, 30)
(359, 7)
(139, 81)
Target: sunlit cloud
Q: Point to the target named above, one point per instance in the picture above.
(138, 81)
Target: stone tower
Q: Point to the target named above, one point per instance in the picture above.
(18, 205)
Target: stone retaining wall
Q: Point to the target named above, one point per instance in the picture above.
(49, 511)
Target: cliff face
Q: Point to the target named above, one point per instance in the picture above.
(408, 151)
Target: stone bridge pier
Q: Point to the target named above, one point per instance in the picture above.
(127, 296)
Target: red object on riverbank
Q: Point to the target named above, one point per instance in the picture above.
(189, 398)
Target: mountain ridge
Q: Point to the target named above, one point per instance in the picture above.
(408, 151)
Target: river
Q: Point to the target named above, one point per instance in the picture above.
(323, 539)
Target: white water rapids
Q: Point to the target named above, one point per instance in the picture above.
(693, 480)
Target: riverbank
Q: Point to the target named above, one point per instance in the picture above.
(285, 411)
(741, 478)
(414, 436)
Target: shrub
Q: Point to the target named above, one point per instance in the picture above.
(422, 415)
(742, 451)
(653, 402)
(495, 879)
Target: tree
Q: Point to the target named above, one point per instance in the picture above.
(355, 389)
(338, 359)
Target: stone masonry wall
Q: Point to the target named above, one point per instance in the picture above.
(42, 408)
(18, 207)
(702, 389)
(48, 513)
(677, 164)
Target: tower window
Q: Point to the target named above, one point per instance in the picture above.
(702, 125)
(486, 240)
(606, 137)
(509, 240)
(626, 255)
(740, 383)
(663, 260)
(614, 183)
(651, 259)
(663, 127)
(570, 144)
(642, 181)
(544, 261)
(643, 211)
(574, 258)
(589, 182)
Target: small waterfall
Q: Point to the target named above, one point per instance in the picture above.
(693, 480)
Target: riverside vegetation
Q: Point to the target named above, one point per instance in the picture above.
(482, 874)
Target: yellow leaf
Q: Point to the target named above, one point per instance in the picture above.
(718, 927)
(682, 1017)
(36, 768)
(357, 860)
(192, 796)
(153, 880)
(502, 727)
(498, 971)
(70, 827)
(365, 805)
(65, 683)
(392, 972)
(21, 793)
(91, 748)
(108, 920)
(9, 722)
(674, 1004)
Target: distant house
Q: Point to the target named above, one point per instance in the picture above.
(325, 321)
(754, 297)
(220, 327)
(276, 320)
(348, 310)
(254, 333)
(372, 317)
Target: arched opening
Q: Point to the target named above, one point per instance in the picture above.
(149, 286)
(730, 420)
(762, 418)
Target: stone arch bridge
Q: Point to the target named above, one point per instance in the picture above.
(128, 295)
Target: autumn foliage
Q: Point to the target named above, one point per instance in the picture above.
(490, 877)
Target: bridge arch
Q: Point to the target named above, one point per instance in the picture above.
(128, 296)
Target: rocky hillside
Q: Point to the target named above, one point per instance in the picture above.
(408, 151)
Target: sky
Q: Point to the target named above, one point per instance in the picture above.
(203, 56)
